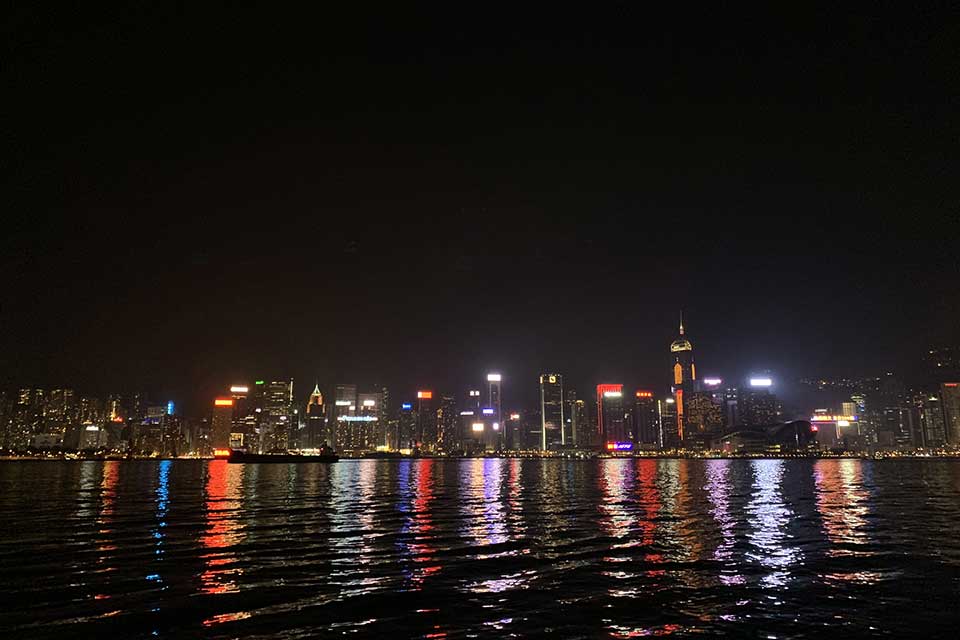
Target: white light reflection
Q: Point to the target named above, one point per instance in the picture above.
(769, 517)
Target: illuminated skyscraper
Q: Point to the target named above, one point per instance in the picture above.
(950, 395)
(493, 395)
(426, 435)
(931, 417)
(645, 428)
(684, 375)
(448, 425)
(344, 404)
(610, 424)
(222, 423)
(552, 431)
(317, 432)
(277, 415)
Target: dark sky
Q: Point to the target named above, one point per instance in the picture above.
(196, 196)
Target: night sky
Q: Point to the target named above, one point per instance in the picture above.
(413, 197)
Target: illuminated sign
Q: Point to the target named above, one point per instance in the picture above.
(493, 377)
(712, 382)
(612, 394)
(369, 403)
(761, 382)
(514, 416)
(258, 382)
(553, 379)
(619, 446)
(92, 427)
(474, 393)
(487, 411)
(477, 426)
(644, 394)
(843, 423)
(424, 395)
(670, 400)
(170, 407)
(814, 428)
(837, 419)
(466, 413)
(356, 418)
(496, 426)
(406, 406)
(343, 403)
(950, 384)
(239, 388)
(221, 453)
(223, 402)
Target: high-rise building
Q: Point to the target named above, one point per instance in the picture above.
(704, 419)
(277, 417)
(552, 432)
(684, 375)
(448, 425)
(222, 424)
(950, 396)
(645, 428)
(669, 437)
(610, 415)
(317, 431)
(406, 428)
(344, 406)
(931, 417)
(426, 432)
(493, 394)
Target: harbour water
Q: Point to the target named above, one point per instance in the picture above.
(480, 548)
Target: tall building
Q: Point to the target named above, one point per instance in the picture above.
(931, 417)
(493, 394)
(448, 425)
(316, 433)
(684, 375)
(277, 417)
(645, 428)
(222, 423)
(344, 406)
(704, 419)
(610, 422)
(552, 431)
(406, 428)
(950, 396)
(426, 432)
(667, 410)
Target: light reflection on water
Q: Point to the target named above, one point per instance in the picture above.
(488, 547)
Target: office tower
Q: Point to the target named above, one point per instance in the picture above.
(426, 432)
(362, 426)
(513, 432)
(552, 432)
(756, 404)
(669, 438)
(704, 419)
(344, 406)
(317, 433)
(684, 375)
(931, 418)
(276, 416)
(610, 423)
(221, 424)
(406, 433)
(448, 425)
(583, 431)
(493, 394)
(645, 429)
(950, 396)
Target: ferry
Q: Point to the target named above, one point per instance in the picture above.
(242, 456)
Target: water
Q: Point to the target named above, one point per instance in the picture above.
(479, 548)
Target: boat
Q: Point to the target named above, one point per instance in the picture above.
(240, 456)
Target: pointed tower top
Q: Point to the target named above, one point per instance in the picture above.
(316, 389)
(681, 322)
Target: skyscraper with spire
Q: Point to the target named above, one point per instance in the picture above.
(317, 431)
(684, 374)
